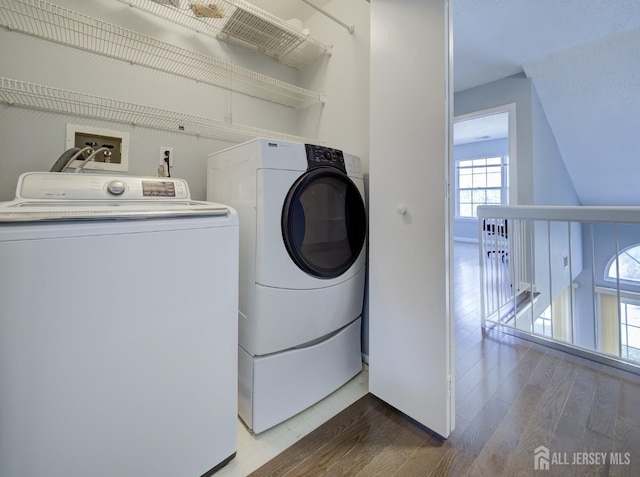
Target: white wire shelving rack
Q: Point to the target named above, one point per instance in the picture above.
(54, 23)
(36, 96)
(239, 22)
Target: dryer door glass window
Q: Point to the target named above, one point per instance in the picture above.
(324, 222)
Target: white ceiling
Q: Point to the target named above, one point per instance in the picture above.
(485, 128)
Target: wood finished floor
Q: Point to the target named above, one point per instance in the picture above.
(511, 397)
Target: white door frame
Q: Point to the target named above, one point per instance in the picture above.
(513, 174)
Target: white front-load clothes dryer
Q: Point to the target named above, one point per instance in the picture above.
(303, 226)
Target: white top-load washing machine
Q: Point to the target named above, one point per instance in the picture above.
(118, 328)
(303, 228)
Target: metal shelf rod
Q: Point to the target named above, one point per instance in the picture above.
(349, 28)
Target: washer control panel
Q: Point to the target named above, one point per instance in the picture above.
(65, 186)
(116, 187)
(324, 156)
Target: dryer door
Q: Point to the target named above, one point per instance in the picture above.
(324, 222)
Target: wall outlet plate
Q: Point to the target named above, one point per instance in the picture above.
(164, 152)
(79, 135)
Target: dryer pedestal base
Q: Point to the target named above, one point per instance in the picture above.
(273, 388)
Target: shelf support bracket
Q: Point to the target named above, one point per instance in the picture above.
(349, 28)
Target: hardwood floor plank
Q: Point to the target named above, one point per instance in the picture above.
(595, 442)
(383, 465)
(405, 439)
(464, 330)
(508, 359)
(366, 411)
(541, 376)
(630, 403)
(459, 458)
(424, 460)
(541, 427)
(359, 457)
(570, 429)
(400, 439)
(517, 379)
(605, 405)
(483, 365)
(626, 444)
(473, 343)
(474, 354)
(493, 458)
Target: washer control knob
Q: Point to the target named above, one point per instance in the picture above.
(401, 209)
(115, 187)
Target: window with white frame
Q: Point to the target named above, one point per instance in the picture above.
(480, 181)
(623, 312)
(619, 330)
(627, 266)
(630, 330)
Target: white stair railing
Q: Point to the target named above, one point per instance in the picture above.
(547, 273)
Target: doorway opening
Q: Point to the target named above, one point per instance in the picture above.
(483, 167)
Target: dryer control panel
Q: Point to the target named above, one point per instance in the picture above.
(353, 165)
(318, 156)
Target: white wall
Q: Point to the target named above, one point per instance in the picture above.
(343, 121)
(552, 184)
(33, 139)
(410, 326)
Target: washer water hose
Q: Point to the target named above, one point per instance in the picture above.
(67, 158)
(105, 147)
(73, 153)
(63, 160)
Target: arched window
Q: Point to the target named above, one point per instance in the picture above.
(628, 264)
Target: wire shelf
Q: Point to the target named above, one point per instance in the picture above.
(52, 22)
(31, 95)
(239, 22)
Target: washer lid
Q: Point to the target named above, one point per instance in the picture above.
(34, 212)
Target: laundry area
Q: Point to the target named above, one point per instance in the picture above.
(189, 233)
